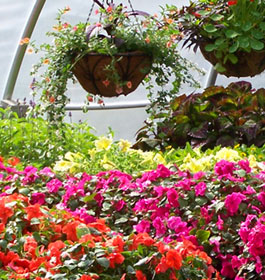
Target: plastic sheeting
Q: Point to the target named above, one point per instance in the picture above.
(13, 17)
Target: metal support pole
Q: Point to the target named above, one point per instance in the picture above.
(211, 79)
(13, 73)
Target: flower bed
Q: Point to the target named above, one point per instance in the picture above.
(218, 211)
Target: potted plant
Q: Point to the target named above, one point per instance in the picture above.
(109, 57)
(230, 34)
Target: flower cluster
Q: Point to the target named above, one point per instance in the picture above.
(219, 210)
(41, 243)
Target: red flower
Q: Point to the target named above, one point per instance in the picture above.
(231, 3)
(174, 259)
(70, 230)
(33, 211)
(8, 258)
(30, 246)
(13, 161)
(142, 239)
(5, 212)
(140, 275)
(162, 266)
(115, 258)
(85, 277)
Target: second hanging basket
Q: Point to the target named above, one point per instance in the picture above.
(91, 72)
(249, 64)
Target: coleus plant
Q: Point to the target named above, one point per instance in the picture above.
(217, 116)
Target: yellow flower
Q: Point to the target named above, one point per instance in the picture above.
(92, 153)
(124, 145)
(103, 143)
(107, 164)
(227, 154)
(72, 156)
(63, 166)
(158, 158)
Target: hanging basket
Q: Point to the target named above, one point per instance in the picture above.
(249, 64)
(91, 72)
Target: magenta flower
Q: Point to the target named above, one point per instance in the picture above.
(119, 205)
(232, 202)
(159, 226)
(198, 175)
(37, 198)
(220, 223)
(224, 167)
(143, 226)
(47, 172)
(244, 164)
(54, 185)
(172, 197)
(200, 189)
(176, 224)
(261, 198)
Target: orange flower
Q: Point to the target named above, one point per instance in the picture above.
(109, 9)
(5, 212)
(173, 259)
(100, 226)
(30, 246)
(33, 211)
(24, 41)
(85, 277)
(147, 40)
(1, 159)
(30, 50)
(162, 266)
(46, 61)
(52, 99)
(2, 227)
(88, 238)
(139, 275)
(70, 230)
(129, 84)
(105, 83)
(115, 258)
(13, 161)
(142, 239)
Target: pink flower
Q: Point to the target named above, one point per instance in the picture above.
(143, 226)
(172, 197)
(38, 198)
(249, 190)
(176, 224)
(224, 167)
(227, 270)
(237, 262)
(220, 223)
(232, 202)
(261, 198)
(119, 205)
(47, 172)
(200, 189)
(198, 175)
(54, 185)
(244, 164)
(159, 226)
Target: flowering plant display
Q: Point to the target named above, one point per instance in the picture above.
(41, 243)
(118, 31)
(219, 210)
(230, 29)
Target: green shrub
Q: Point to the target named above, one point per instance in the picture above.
(218, 116)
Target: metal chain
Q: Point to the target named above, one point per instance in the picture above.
(131, 6)
(89, 15)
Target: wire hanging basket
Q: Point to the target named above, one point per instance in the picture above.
(92, 71)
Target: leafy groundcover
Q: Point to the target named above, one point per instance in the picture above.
(165, 223)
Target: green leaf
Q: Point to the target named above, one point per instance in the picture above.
(243, 42)
(231, 33)
(219, 67)
(103, 262)
(36, 236)
(256, 45)
(210, 47)
(24, 191)
(210, 28)
(121, 221)
(203, 235)
(234, 47)
(246, 26)
(201, 200)
(3, 244)
(89, 197)
(232, 58)
(82, 231)
(216, 17)
(257, 34)
(262, 25)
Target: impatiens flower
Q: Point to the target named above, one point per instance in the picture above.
(54, 185)
(5, 212)
(220, 223)
(173, 259)
(115, 258)
(244, 164)
(172, 196)
(232, 202)
(70, 230)
(13, 161)
(143, 226)
(38, 198)
(33, 211)
(158, 224)
(119, 205)
(176, 224)
(224, 167)
(200, 189)
(139, 275)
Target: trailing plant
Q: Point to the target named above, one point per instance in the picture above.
(229, 29)
(217, 116)
(117, 32)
